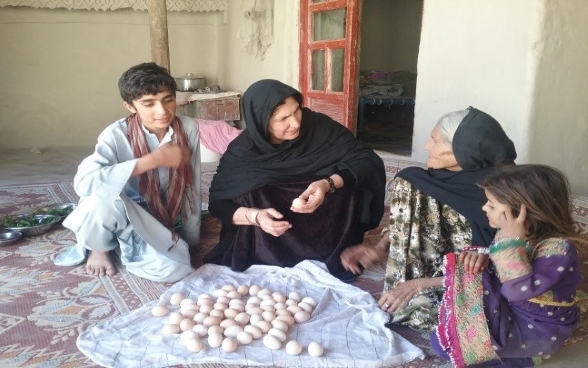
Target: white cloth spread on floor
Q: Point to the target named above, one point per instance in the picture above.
(346, 321)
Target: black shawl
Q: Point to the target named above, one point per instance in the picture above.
(479, 144)
(322, 148)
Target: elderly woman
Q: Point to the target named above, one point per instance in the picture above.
(287, 152)
(433, 212)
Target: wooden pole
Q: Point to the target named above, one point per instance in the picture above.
(158, 31)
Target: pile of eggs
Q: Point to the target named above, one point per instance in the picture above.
(238, 315)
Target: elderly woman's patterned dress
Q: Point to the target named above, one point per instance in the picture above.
(422, 231)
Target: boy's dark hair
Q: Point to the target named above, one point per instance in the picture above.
(145, 79)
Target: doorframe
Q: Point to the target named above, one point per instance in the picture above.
(350, 95)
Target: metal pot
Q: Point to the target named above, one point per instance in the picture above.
(190, 83)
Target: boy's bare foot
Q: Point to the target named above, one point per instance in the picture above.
(99, 264)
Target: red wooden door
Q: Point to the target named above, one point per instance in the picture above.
(329, 55)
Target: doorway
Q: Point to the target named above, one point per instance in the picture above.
(390, 38)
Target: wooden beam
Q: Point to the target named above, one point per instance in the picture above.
(158, 31)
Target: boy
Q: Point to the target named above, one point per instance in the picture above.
(143, 174)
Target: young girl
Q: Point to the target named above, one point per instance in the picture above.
(523, 306)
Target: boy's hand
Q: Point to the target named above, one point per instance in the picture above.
(171, 155)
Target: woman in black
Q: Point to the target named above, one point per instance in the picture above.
(288, 151)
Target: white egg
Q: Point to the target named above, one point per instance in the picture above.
(307, 307)
(200, 317)
(267, 302)
(253, 290)
(232, 331)
(254, 300)
(186, 302)
(315, 349)
(298, 202)
(288, 319)
(278, 297)
(205, 301)
(217, 313)
(194, 345)
(264, 326)
(223, 299)
(190, 313)
(206, 308)
(229, 345)
(200, 330)
(291, 302)
(280, 306)
(264, 292)
(255, 310)
(282, 312)
(204, 296)
(215, 340)
(294, 309)
(170, 329)
(234, 295)
(229, 287)
(187, 335)
(238, 307)
(268, 308)
(175, 318)
(266, 296)
(309, 300)
(228, 322)
(211, 321)
(293, 347)
(187, 324)
(295, 296)
(302, 317)
(255, 318)
(271, 342)
(231, 313)
(215, 330)
(253, 331)
(242, 318)
(236, 301)
(268, 316)
(280, 325)
(243, 289)
(277, 333)
(219, 306)
(219, 292)
(160, 311)
(177, 298)
(244, 337)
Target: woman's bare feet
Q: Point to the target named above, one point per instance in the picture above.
(100, 264)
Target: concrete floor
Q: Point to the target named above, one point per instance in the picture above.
(60, 164)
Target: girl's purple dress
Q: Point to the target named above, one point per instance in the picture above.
(518, 310)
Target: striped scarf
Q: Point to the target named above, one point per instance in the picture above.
(181, 179)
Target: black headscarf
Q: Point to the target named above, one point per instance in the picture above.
(479, 143)
(322, 148)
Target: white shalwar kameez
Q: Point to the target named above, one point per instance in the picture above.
(108, 215)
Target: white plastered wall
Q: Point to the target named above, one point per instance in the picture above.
(238, 69)
(558, 131)
(476, 53)
(59, 68)
(523, 62)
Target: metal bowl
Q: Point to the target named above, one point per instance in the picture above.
(9, 237)
(60, 209)
(40, 224)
